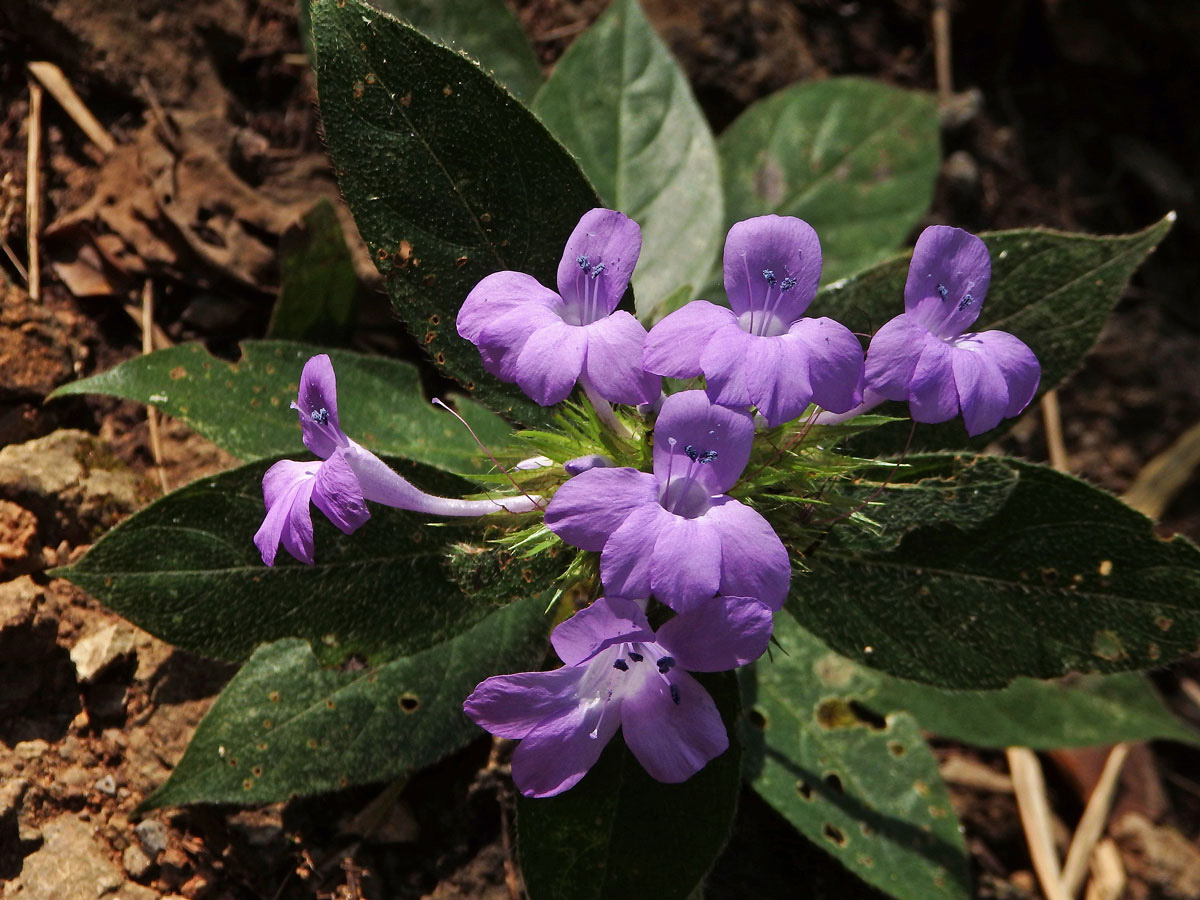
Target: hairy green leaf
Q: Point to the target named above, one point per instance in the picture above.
(619, 101)
(244, 406)
(620, 834)
(1063, 577)
(448, 177)
(186, 570)
(284, 726)
(864, 788)
(854, 158)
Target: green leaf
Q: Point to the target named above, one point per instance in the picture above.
(618, 100)
(448, 177)
(1063, 577)
(620, 834)
(185, 569)
(854, 158)
(244, 406)
(318, 293)
(485, 30)
(284, 726)
(866, 790)
(1051, 289)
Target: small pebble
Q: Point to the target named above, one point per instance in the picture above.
(136, 862)
(106, 785)
(153, 835)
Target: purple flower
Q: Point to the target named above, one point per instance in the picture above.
(346, 477)
(546, 342)
(620, 673)
(674, 533)
(763, 351)
(926, 355)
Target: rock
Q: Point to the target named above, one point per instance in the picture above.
(18, 529)
(136, 862)
(29, 750)
(18, 602)
(27, 645)
(195, 887)
(106, 785)
(99, 650)
(12, 792)
(72, 863)
(153, 835)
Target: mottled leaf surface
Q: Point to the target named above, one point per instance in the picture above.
(618, 101)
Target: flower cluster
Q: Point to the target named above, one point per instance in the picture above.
(687, 535)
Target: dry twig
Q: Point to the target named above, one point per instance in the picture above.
(1030, 789)
(1108, 873)
(1165, 475)
(52, 78)
(941, 50)
(1055, 446)
(1091, 824)
(151, 412)
(33, 190)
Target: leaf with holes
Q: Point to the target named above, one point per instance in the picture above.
(865, 788)
(448, 177)
(854, 158)
(620, 834)
(1053, 290)
(1062, 577)
(185, 569)
(618, 100)
(244, 406)
(284, 726)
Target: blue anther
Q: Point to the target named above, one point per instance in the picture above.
(787, 284)
(769, 275)
(320, 416)
(942, 291)
(691, 452)
(636, 657)
(707, 456)
(622, 665)
(583, 262)
(675, 695)
(966, 301)
(665, 664)
(596, 269)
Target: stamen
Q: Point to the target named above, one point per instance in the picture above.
(636, 657)
(707, 456)
(966, 301)
(770, 276)
(583, 262)
(691, 452)
(622, 665)
(596, 269)
(438, 402)
(666, 664)
(320, 416)
(942, 291)
(675, 695)
(787, 284)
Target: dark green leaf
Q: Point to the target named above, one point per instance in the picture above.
(485, 30)
(1052, 290)
(619, 101)
(284, 726)
(186, 570)
(449, 179)
(867, 789)
(318, 292)
(854, 158)
(1063, 577)
(244, 406)
(620, 834)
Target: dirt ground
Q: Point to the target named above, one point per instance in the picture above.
(1070, 113)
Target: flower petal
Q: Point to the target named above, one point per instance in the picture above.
(956, 261)
(317, 406)
(614, 360)
(754, 562)
(511, 706)
(498, 294)
(625, 561)
(337, 494)
(591, 506)
(932, 396)
(501, 340)
(725, 363)
(685, 566)
(608, 621)
(550, 362)
(675, 344)
(835, 362)
(673, 740)
(982, 393)
(893, 355)
(717, 634)
(602, 237)
(692, 420)
(777, 377)
(287, 487)
(560, 752)
(1021, 369)
(785, 247)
